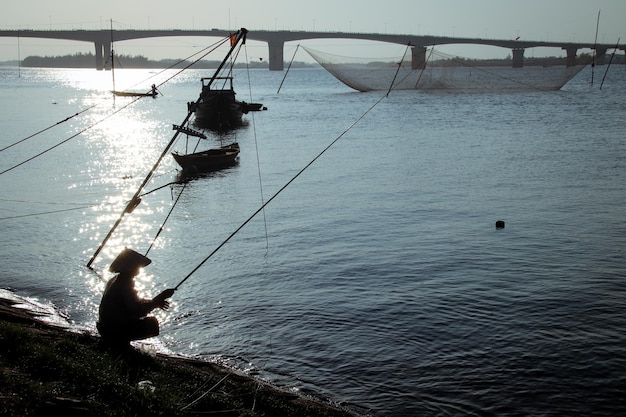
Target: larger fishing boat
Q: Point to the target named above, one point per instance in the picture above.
(217, 108)
(444, 72)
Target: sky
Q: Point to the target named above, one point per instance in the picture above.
(551, 20)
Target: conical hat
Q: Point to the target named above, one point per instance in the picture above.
(129, 260)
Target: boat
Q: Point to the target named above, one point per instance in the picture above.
(208, 160)
(153, 93)
(204, 161)
(153, 90)
(444, 72)
(217, 107)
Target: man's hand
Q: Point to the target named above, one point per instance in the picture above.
(161, 299)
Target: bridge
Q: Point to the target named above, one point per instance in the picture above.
(103, 39)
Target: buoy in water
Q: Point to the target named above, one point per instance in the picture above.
(499, 224)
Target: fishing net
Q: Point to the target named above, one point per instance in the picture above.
(446, 72)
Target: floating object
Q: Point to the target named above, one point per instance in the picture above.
(499, 224)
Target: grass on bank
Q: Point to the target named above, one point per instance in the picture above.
(44, 371)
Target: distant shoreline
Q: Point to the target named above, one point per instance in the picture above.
(88, 61)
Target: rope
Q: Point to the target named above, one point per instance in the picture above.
(166, 219)
(185, 184)
(258, 162)
(398, 70)
(425, 63)
(288, 68)
(70, 138)
(48, 128)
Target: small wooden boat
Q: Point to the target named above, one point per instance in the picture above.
(209, 160)
(132, 94)
(152, 93)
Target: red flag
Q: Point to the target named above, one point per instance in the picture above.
(233, 39)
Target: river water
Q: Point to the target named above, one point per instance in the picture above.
(377, 278)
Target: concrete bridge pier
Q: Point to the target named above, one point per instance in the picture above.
(276, 55)
(600, 56)
(418, 57)
(99, 60)
(518, 57)
(107, 55)
(103, 55)
(571, 56)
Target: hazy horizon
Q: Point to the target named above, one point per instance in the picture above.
(554, 20)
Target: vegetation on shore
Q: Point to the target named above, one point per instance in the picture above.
(88, 60)
(45, 370)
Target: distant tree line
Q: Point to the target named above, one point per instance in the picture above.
(582, 59)
(88, 60)
(81, 60)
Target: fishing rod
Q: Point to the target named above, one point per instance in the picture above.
(288, 68)
(610, 61)
(136, 200)
(595, 44)
(253, 215)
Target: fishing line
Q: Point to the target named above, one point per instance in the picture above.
(258, 161)
(135, 200)
(48, 128)
(171, 208)
(277, 193)
(197, 144)
(609, 65)
(70, 138)
(288, 68)
(166, 218)
(430, 54)
(185, 183)
(595, 44)
(45, 212)
(398, 70)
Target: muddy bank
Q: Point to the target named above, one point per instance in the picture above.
(45, 368)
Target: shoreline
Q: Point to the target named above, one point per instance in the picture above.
(193, 386)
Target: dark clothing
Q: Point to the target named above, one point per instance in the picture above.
(121, 334)
(122, 314)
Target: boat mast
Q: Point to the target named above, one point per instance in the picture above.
(135, 200)
(595, 45)
(19, 58)
(112, 57)
(239, 36)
